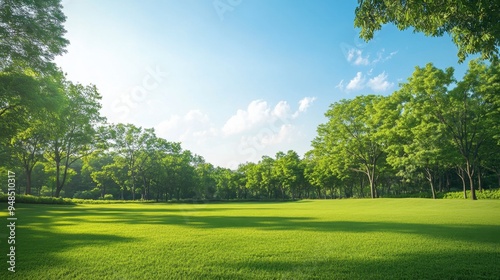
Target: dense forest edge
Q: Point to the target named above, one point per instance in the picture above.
(437, 136)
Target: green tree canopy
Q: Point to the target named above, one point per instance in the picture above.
(31, 33)
(473, 25)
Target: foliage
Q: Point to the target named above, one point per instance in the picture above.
(31, 199)
(32, 33)
(474, 26)
(485, 194)
(350, 139)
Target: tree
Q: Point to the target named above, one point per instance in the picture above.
(22, 96)
(130, 143)
(27, 148)
(439, 115)
(473, 25)
(420, 141)
(97, 167)
(349, 139)
(31, 33)
(72, 129)
(318, 172)
(288, 172)
(468, 120)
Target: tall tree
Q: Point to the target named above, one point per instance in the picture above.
(131, 143)
(72, 129)
(27, 148)
(349, 139)
(420, 142)
(288, 172)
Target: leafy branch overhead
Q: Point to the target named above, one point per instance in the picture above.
(31, 33)
(474, 26)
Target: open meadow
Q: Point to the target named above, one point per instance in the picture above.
(327, 239)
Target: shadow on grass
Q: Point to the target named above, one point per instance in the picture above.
(38, 249)
(47, 217)
(41, 243)
(452, 265)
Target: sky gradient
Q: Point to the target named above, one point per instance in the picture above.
(236, 79)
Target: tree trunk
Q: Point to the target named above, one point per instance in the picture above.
(133, 188)
(28, 181)
(431, 182)
(470, 174)
(361, 186)
(58, 171)
(460, 173)
(479, 181)
(370, 172)
(60, 183)
(372, 185)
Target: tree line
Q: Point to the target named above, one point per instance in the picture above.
(435, 134)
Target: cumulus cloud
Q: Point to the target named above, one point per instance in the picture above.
(379, 83)
(193, 126)
(259, 113)
(305, 103)
(281, 110)
(268, 137)
(356, 83)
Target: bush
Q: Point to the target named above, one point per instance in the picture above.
(108, 196)
(93, 194)
(485, 194)
(410, 195)
(53, 200)
(37, 199)
(83, 195)
(45, 191)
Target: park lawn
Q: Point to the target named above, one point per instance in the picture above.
(325, 239)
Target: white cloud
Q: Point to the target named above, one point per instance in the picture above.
(340, 85)
(355, 56)
(356, 83)
(379, 83)
(193, 126)
(256, 113)
(196, 115)
(382, 58)
(259, 114)
(285, 134)
(282, 110)
(305, 103)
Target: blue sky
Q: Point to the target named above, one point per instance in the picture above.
(236, 79)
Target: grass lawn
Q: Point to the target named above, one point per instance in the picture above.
(339, 239)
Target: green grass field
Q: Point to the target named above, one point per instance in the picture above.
(339, 239)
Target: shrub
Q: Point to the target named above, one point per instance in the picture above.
(53, 200)
(485, 194)
(45, 191)
(108, 196)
